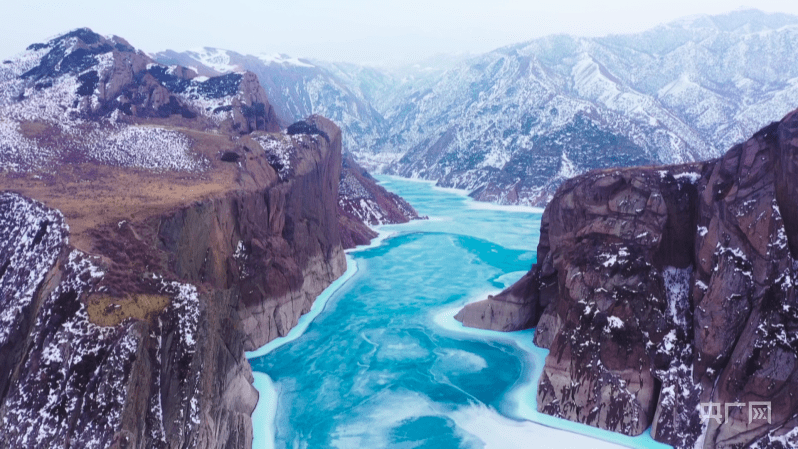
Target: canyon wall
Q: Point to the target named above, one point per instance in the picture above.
(154, 225)
(658, 289)
(137, 339)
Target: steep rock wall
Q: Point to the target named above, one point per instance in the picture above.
(658, 289)
(139, 342)
(363, 202)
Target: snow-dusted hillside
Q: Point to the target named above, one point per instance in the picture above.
(299, 88)
(513, 123)
(81, 97)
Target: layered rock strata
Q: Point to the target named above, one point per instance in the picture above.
(657, 289)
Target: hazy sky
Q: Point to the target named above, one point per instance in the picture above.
(362, 31)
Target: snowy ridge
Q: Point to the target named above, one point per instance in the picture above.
(21, 100)
(214, 58)
(71, 358)
(353, 197)
(360, 197)
(366, 210)
(76, 96)
(31, 239)
(216, 106)
(283, 59)
(28, 93)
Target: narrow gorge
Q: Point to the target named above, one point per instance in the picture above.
(194, 254)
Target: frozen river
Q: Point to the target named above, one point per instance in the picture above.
(380, 362)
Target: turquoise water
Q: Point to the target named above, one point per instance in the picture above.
(381, 363)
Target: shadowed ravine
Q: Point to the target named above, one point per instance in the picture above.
(376, 369)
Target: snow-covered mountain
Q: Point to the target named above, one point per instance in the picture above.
(354, 96)
(510, 125)
(298, 88)
(82, 97)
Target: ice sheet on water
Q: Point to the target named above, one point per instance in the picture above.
(495, 431)
(395, 346)
(380, 368)
(388, 415)
(458, 361)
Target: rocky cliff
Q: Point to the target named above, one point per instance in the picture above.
(137, 337)
(362, 202)
(297, 88)
(657, 289)
(150, 233)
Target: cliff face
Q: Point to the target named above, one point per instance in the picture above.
(362, 202)
(153, 227)
(138, 340)
(658, 289)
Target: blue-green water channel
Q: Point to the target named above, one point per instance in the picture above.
(380, 362)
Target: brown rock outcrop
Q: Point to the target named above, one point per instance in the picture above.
(148, 237)
(96, 361)
(657, 289)
(362, 202)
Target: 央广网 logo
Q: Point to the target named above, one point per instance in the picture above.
(757, 411)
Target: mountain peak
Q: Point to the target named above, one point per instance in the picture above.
(102, 86)
(85, 35)
(73, 52)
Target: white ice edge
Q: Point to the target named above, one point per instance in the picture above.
(508, 279)
(524, 396)
(481, 205)
(264, 413)
(263, 427)
(471, 203)
(305, 320)
(382, 236)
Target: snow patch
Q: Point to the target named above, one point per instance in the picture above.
(147, 147)
(282, 59)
